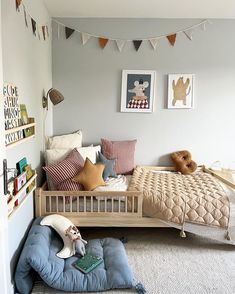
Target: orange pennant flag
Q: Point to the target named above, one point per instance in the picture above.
(18, 2)
(172, 39)
(103, 42)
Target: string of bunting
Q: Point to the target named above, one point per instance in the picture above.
(103, 40)
(39, 30)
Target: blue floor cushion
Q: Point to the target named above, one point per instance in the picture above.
(39, 256)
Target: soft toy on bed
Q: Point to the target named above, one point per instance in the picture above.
(183, 162)
(74, 235)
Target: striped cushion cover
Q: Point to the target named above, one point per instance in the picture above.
(66, 169)
(123, 152)
(69, 185)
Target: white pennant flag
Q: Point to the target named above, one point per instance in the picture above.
(85, 38)
(189, 33)
(120, 44)
(153, 43)
(58, 31)
(204, 24)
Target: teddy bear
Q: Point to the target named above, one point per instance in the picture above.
(180, 90)
(79, 244)
(139, 100)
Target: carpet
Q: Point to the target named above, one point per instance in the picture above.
(168, 264)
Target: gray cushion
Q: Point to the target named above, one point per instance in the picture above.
(39, 255)
(109, 170)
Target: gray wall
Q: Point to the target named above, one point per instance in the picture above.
(27, 64)
(90, 79)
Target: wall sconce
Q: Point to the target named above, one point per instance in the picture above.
(55, 96)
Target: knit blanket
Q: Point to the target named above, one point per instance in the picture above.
(173, 197)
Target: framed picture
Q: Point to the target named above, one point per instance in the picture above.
(180, 91)
(138, 90)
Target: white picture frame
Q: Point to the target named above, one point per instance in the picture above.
(138, 91)
(180, 91)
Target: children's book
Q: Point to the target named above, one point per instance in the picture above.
(88, 263)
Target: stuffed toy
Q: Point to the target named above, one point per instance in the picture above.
(183, 162)
(62, 226)
(74, 235)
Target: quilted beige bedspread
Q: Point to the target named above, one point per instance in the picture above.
(172, 197)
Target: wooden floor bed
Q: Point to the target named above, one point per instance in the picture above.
(98, 209)
(118, 209)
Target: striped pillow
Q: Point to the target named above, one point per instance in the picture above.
(69, 185)
(123, 152)
(66, 169)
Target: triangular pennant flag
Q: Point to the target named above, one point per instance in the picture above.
(47, 31)
(25, 18)
(18, 2)
(33, 26)
(103, 42)
(58, 31)
(120, 44)
(137, 44)
(44, 32)
(85, 38)
(172, 39)
(189, 34)
(68, 32)
(153, 43)
(39, 37)
(203, 25)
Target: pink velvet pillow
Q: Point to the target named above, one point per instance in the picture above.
(123, 152)
(66, 169)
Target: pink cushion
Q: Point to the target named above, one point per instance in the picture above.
(123, 152)
(66, 169)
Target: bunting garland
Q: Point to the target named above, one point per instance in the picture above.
(103, 40)
(42, 31)
(39, 30)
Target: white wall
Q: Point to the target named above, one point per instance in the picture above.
(90, 79)
(27, 64)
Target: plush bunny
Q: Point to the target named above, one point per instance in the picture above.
(79, 244)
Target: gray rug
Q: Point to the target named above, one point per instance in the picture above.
(168, 264)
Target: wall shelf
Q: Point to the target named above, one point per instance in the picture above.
(30, 125)
(19, 193)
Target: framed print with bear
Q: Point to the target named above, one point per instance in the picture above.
(180, 91)
(138, 90)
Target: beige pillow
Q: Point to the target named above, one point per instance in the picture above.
(53, 156)
(91, 175)
(68, 141)
(90, 152)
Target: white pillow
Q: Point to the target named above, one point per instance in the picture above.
(65, 141)
(90, 152)
(53, 156)
(61, 224)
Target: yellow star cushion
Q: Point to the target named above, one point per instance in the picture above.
(91, 175)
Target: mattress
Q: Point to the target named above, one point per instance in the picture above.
(105, 204)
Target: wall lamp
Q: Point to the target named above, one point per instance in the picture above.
(55, 96)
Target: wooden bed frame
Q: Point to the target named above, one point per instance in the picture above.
(130, 215)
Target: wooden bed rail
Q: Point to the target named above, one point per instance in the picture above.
(85, 205)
